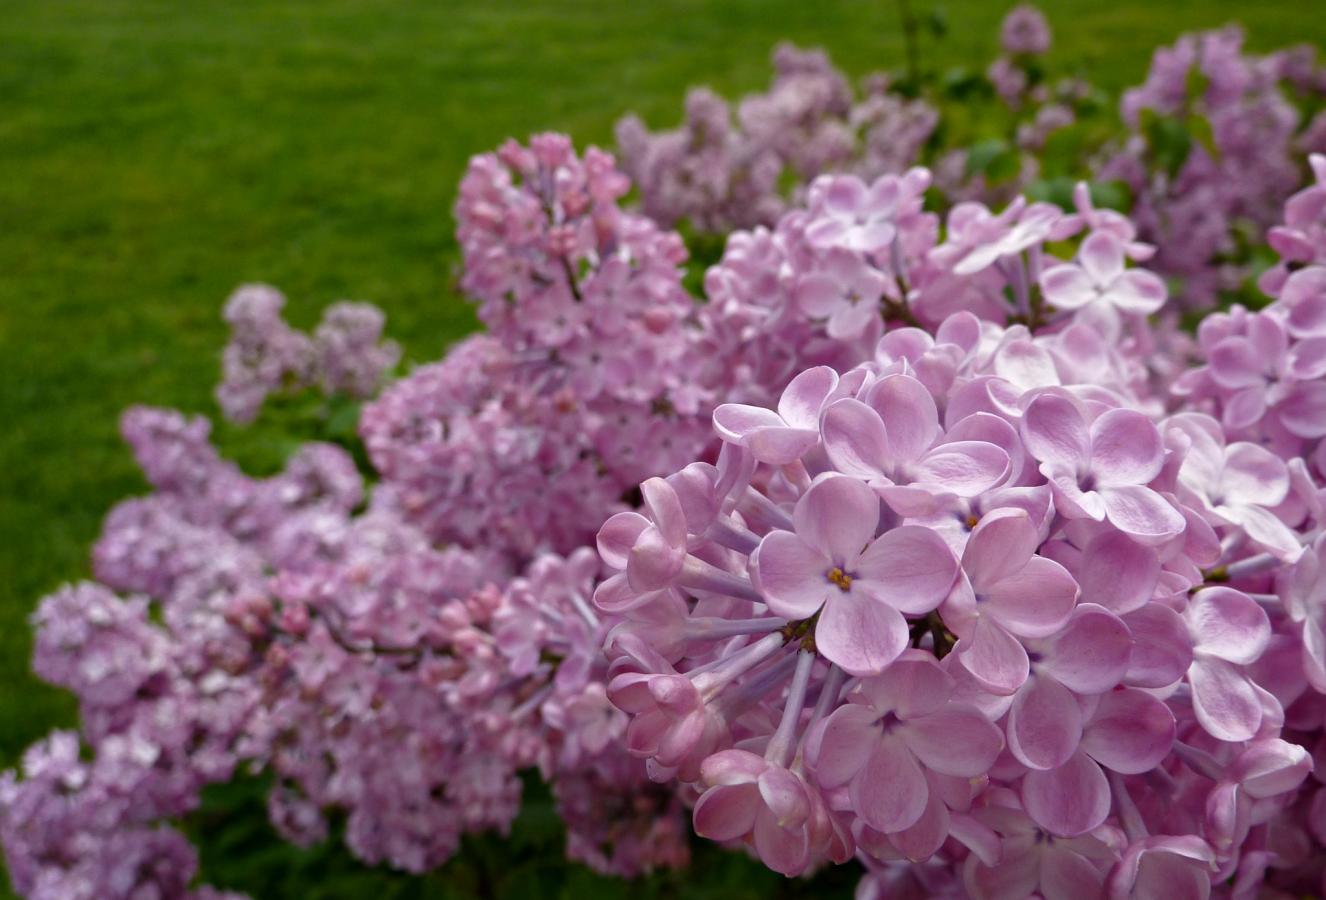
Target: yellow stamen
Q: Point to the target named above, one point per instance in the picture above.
(842, 579)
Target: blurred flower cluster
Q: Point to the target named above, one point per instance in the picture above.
(1205, 150)
(344, 355)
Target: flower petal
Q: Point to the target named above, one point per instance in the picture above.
(1102, 257)
(855, 441)
(784, 795)
(1125, 448)
(1226, 705)
(910, 568)
(729, 767)
(763, 433)
(890, 793)
(785, 850)
(1304, 413)
(1142, 513)
(1138, 291)
(1271, 767)
(1253, 475)
(1130, 732)
(733, 421)
(780, 446)
(804, 397)
(1015, 876)
(1162, 650)
(1304, 294)
(1034, 602)
(859, 633)
(1228, 624)
(792, 575)
(1070, 500)
(914, 685)
(927, 834)
(618, 535)
(839, 748)
(844, 195)
(909, 415)
(1090, 654)
(818, 294)
(1267, 530)
(1245, 408)
(964, 468)
(1044, 724)
(665, 509)
(654, 563)
(1066, 875)
(1053, 430)
(999, 546)
(995, 659)
(727, 813)
(1026, 365)
(1068, 287)
(954, 741)
(837, 516)
(1118, 573)
(1069, 800)
(1234, 364)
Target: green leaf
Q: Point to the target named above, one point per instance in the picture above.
(343, 419)
(1064, 149)
(1058, 191)
(1200, 128)
(1168, 139)
(936, 22)
(959, 83)
(994, 158)
(1195, 85)
(1111, 194)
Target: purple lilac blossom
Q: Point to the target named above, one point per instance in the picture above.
(950, 554)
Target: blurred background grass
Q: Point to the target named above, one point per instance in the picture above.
(155, 154)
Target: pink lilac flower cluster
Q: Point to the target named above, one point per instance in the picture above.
(1203, 195)
(265, 625)
(1203, 208)
(996, 611)
(548, 631)
(345, 354)
(1023, 36)
(586, 381)
(1024, 32)
(820, 287)
(720, 174)
(77, 829)
(929, 541)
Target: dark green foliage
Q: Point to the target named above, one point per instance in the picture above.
(241, 851)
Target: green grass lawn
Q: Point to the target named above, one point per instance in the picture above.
(155, 154)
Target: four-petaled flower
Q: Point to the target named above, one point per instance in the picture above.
(861, 585)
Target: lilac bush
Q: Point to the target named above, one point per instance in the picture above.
(933, 539)
(1205, 150)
